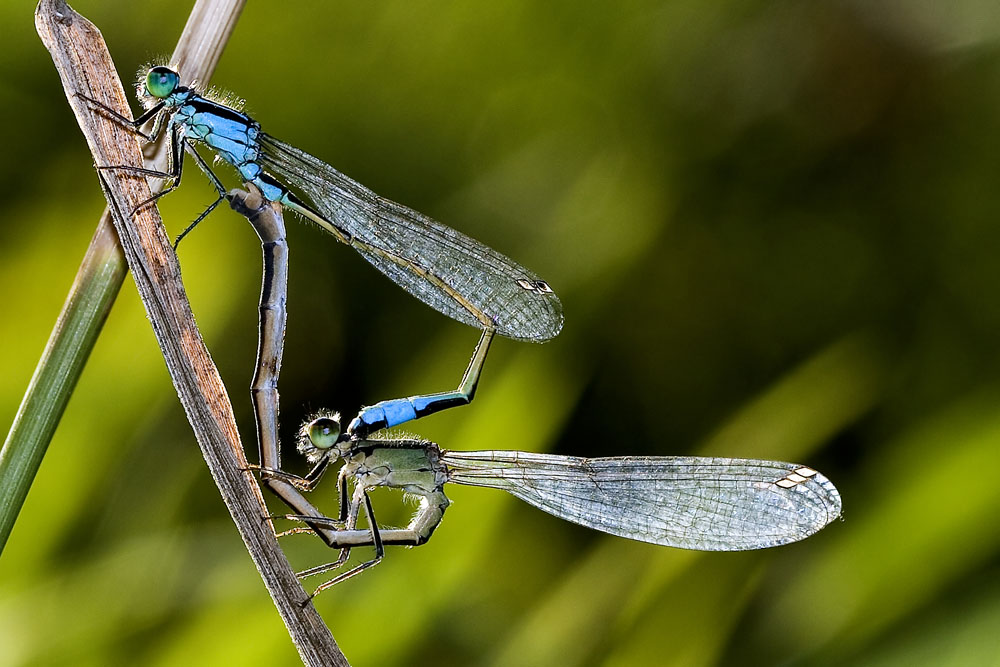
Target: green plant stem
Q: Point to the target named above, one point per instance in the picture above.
(76, 330)
(94, 290)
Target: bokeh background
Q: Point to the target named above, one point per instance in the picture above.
(774, 229)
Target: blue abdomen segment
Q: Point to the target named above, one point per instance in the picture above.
(270, 188)
(385, 414)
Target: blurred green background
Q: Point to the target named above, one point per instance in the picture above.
(773, 226)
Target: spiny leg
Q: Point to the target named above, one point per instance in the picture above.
(318, 520)
(175, 165)
(134, 125)
(215, 181)
(172, 173)
(175, 160)
(351, 523)
(379, 553)
(307, 483)
(272, 479)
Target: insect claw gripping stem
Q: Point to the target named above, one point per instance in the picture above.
(134, 125)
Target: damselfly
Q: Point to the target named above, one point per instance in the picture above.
(445, 269)
(708, 504)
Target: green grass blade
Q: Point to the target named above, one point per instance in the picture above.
(90, 298)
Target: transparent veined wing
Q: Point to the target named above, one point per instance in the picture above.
(709, 504)
(433, 262)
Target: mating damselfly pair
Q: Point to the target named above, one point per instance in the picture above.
(690, 502)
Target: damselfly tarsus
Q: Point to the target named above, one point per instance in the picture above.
(702, 503)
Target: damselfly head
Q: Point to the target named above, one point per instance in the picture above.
(319, 436)
(161, 82)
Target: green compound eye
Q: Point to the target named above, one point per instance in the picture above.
(324, 432)
(162, 81)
